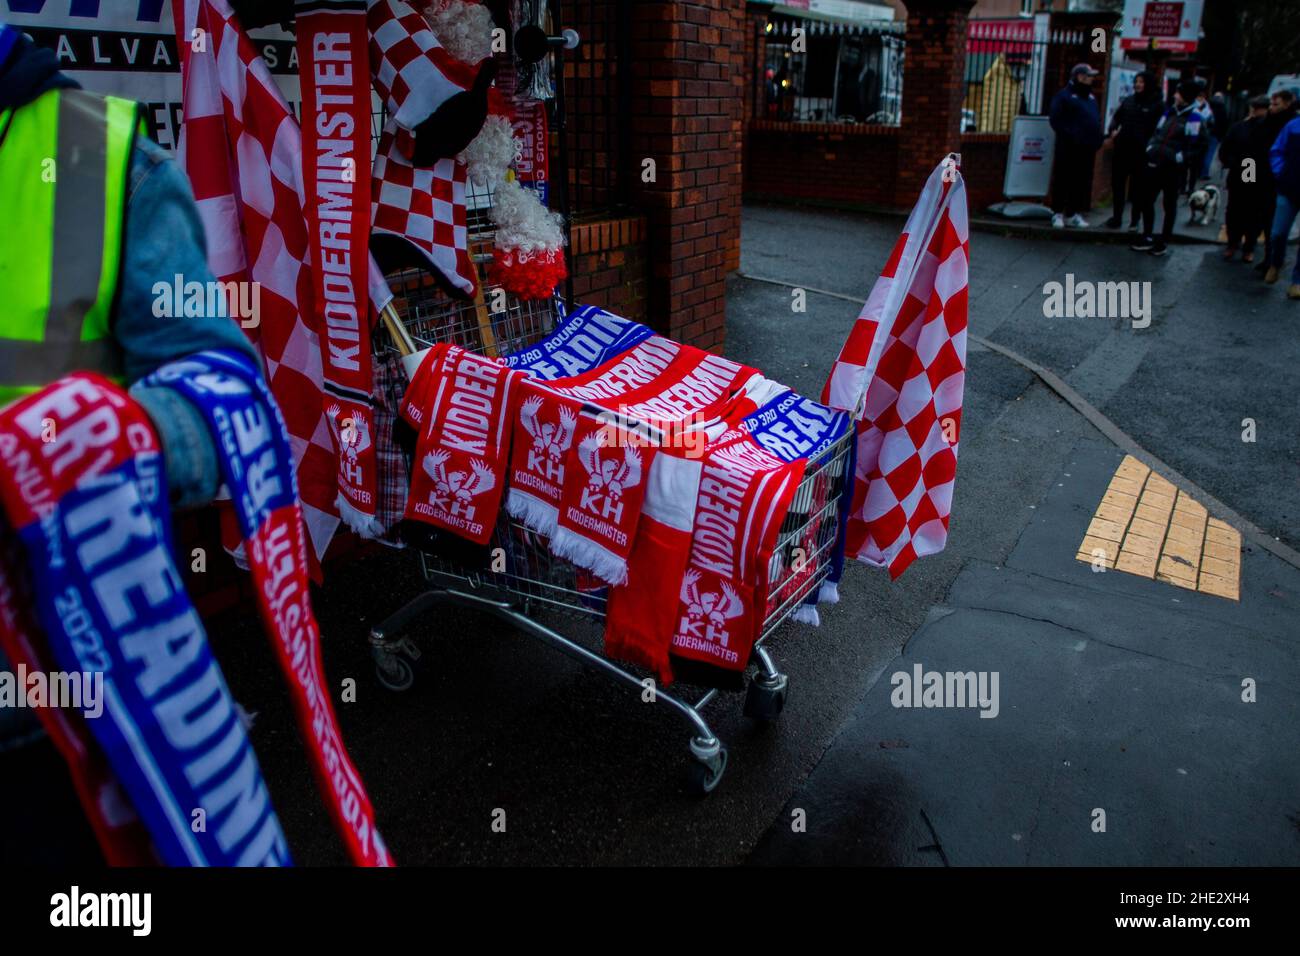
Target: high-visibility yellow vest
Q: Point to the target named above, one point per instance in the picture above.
(64, 161)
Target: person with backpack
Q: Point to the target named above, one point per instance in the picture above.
(1180, 136)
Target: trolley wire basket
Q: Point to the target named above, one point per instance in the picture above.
(522, 583)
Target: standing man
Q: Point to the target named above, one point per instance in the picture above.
(1284, 158)
(1244, 157)
(1076, 118)
(1130, 131)
(1179, 137)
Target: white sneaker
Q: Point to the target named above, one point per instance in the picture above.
(1058, 221)
(1077, 222)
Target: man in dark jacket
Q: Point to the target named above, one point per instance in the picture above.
(1179, 137)
(1284, 159)
(1282, 108)
(1130, 131)
(1076, 118)
(1244, 157)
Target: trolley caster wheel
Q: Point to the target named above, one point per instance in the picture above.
(765, 697)
(708, 763)
(395, 670)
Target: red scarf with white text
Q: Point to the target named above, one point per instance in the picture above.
(332, 42)
(461, 403)
(745, 492)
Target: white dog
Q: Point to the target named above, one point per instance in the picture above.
(1204, 204)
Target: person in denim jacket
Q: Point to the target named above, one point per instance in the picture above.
(162, 238)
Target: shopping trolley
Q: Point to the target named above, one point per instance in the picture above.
(526, 586)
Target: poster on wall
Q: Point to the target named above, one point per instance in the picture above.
(128, 48)
(1173, 25)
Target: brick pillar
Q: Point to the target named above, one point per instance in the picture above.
(687, 81)
(933, 87)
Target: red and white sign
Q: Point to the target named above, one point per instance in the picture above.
(1173, 25)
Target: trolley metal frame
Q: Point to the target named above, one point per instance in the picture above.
(524, 579)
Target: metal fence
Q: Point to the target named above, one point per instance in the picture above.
(1014, 68)
(595, 104)
(818, 71)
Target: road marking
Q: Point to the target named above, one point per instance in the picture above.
(1147, 526)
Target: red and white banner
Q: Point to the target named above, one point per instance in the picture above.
(332, 41)
(902, 374)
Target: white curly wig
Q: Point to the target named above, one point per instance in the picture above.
(464, 28)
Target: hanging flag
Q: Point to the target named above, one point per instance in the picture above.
(333, 62)
(242, 150)
(902, 373)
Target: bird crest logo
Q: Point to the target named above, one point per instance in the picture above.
(708, 613)
(608, 478)
(454, 492)
(551, 440)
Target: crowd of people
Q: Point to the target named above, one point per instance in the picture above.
(1163, 149)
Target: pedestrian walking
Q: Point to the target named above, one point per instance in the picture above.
(1076, 118)
(1244, 158)
(1179, 137)
(1130, 131)
(1284, 159)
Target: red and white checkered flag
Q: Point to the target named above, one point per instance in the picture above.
(411, 71)
(425, 206)
(902, 373)
(242, 150)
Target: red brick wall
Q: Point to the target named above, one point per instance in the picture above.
(933, 89)
(832, 162)
(686, 116)
(609, 265)
(983, 167)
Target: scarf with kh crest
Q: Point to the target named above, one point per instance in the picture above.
(461, 404)
(89, 508)
(623, 412)
(744, 494)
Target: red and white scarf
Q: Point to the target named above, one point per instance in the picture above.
(590, 506)
(461, 402)
(744, 494)
(332, 41)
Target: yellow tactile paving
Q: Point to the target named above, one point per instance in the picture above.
(1145, 525)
